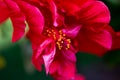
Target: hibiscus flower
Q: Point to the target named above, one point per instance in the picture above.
(55, 50)
(79, 28)
(57, 31)
(53, 46)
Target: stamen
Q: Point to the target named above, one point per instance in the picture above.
(49, 35)
(69, 41)
(60, 31)
(64, 35)
(61, 41)
(60, 38)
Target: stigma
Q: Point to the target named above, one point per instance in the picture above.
(60, 38)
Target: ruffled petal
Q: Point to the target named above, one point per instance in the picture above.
(62, 70)
(33, 17)
(93, 12)
(72, 32)
(63, 66)
(18, 20)
(72, 6)
(4, 12)
(69, 9)
(45, 52)
(42, 46)
(115, 37)
(37, 62)
(49, 56)
(94, 42)
(18, 26)
(69, 54)
(53, 9)
(35, 39)
(104, 39)
(54, 67)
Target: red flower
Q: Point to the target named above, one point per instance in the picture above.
(55, 50)
(53, 46)
(81, 28)
(58, 30)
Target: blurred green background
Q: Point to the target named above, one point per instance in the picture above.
(15, 58)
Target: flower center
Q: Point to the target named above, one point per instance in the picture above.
(60, 38)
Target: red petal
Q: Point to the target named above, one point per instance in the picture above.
(72, 6)
(54, 66)
(64, 70)
(46, 51)
(115, 37)
(94, 12)
(62, 67)
(94, 42)
(18, 20)
(18, 26)
(33, 17)
(35, 39)
(69, 54)
(72, 32)
(4, 12)
(37, 62)
(53, 9)
(49, 57)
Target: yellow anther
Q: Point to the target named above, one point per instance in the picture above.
(68, 45)
(64, 34)
(62, 42)
(48, 34)
(59, 47)
(57, 42)
(53, 30)
(60, 31)
(61, 36)
(54, 36)
(47, 30)
(69, 40)
(59, 39)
